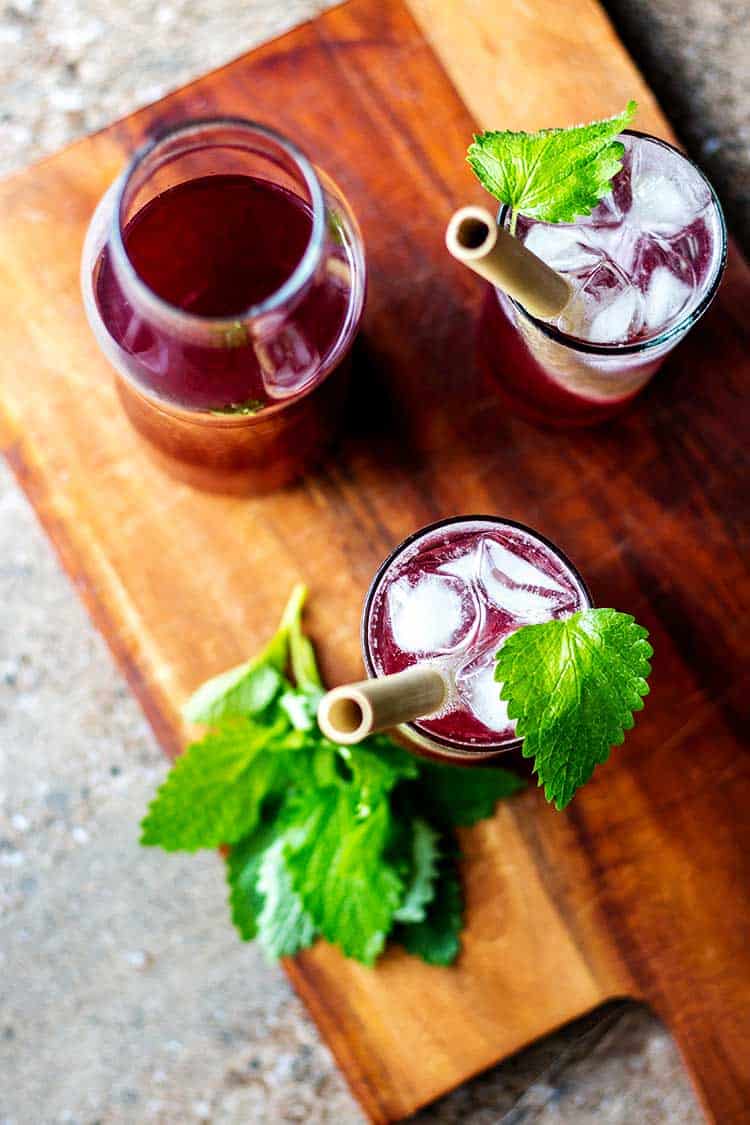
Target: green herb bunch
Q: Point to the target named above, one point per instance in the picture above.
(354, 844)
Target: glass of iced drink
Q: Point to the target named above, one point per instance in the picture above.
(224, 278)
(449, 596)
(643, 267)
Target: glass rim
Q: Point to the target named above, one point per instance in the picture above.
(300, 275)
(680, 326)
(468, 750)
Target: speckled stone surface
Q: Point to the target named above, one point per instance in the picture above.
(124, 994)
(695, 55)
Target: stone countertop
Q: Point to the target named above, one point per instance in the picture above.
(125, 994)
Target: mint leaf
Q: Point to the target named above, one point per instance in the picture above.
(284, 926)
(348, 842)
(460, 796)
(336, 861)
(572, 686)
(302, 658)
(436, 939)
(555, 175)
(299, 709)
(250, 405)
(420, 889)
(243, 869)
(250, 687)
(245, 690)
(376, 765)
(214, 792)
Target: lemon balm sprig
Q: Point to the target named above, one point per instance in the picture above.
(352, 843)
(552, 175)
(573, 685)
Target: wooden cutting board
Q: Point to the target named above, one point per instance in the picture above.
(643, 887)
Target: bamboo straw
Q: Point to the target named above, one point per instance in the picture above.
(474, 238)
(347, 714)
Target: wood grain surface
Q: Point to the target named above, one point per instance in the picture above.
(642, 887)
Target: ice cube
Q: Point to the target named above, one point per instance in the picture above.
(525, 605)
(480, 694)
(665, 297)
(463, 566)
(661, 204)
(432, 615)
(614, 320)
(518, 569)
(606, 309)
(561, 247)
(607, 213)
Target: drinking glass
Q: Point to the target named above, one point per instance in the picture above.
(448, 596)
(644, 267)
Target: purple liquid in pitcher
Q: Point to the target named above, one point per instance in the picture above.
(452, 596)
(214, 247)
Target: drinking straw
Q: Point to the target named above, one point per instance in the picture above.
(474, 238)
(347, 714)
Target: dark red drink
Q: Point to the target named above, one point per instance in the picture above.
(642, 268)
(215, 247)
(449, 596)
(228, 302)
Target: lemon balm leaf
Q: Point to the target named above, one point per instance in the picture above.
(243, 870)
(420, 889)
(460, 797)
(336, 861)
(215, 791)
(245, 690)
(437, 937)
(573, 685)
(284, 926)
(253, 686)
(376, 765)
(353, 843)
(554, 175)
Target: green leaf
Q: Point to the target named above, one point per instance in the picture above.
(250, 687)
(336, 861)
(572, 686)
(277, 651)
(245, 690)
(284, 926)
(214, 792)
(420, 889)
(555, 175)
(325, 839)
(250, 405)
(458, 796)
(436, 939)
(302, 657)
(243, 868)
(300, 709)
(376, 765)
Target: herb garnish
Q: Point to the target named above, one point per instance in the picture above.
(249, 406)
(554, 175)
(357, 844)
(572, 686)
(352, 843)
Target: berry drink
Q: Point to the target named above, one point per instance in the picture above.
(224, 278)
(450, 595)
(643, 267)
(215, 247)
